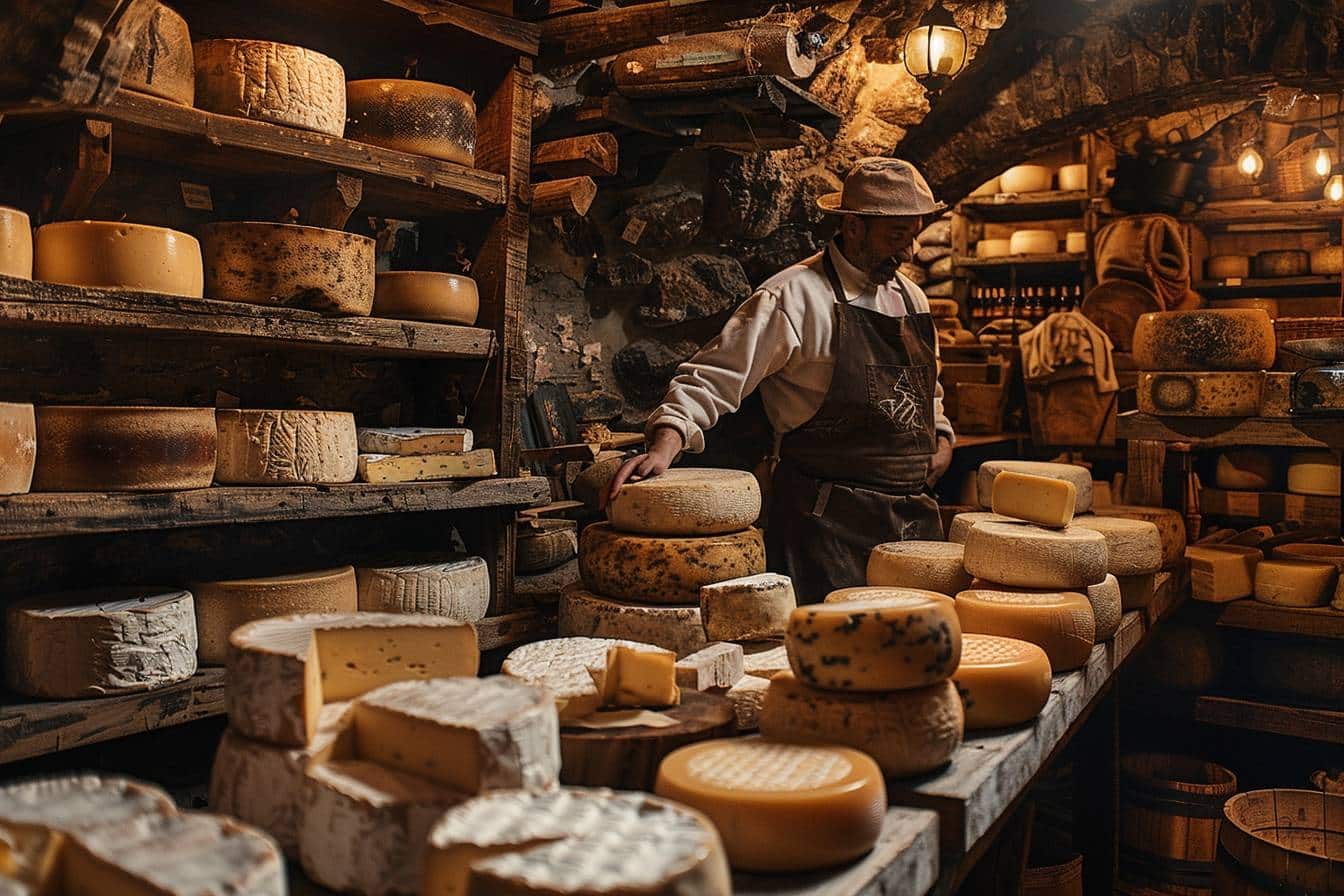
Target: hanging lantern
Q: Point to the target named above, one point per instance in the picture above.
(935, 51)
(1250, 162)
(1334, 187)
(1321, 162)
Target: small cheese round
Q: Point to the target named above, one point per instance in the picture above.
(780, 807)
(1133, 547)
(1223, 267)
(1200, 394)
(426, 295)
(124, 449)
(223, 606)
(963, 522)
(18, 447)
(1295, 583)
(1314, 473)
(1232, 339)
(272, 82)
(1060, 623)
(687, 501)
(1107, 600)
(16, 244)
(119, 255)
(1027, 556)
(286, 447)
(1081, 477)
(665, 570)
(747, 609)
(161, 62)
(1002, 681)
(1170, 527)
(1033, 242)
(457, 586)
(926, 565)
(1072, 178)
(287, 265)
(418, 117)
(587, 615)
(1246, 469)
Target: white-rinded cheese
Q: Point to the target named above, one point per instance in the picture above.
(281, 671)
(285, 447)
(962, 523)
(907, 732)
(1026, 179)
(411, 440)
(1170, 527)
(780, 807)
(717, 666)
(418, 117)
(586, 615)
(79, 803)
(1027, 556)
(363, 828)
(1200, 394)
(561, 666)
(263, 263)
(161, 62)
(1072, 178)
(747, 609)
(1033, 242)
(885, 645)
(272, 82)
(1222, 573)
(1295, 583)
(665, 570)
(1107, 602)
(748, 696)
(1246, 469)
(765, 658)
(458, 587)
(574, 841)
(688, 501)
(222, 607)
(426, 295)
(18, 447)
(1036, 499)
(1223, 267)
(1002, 681)
(1231, 339)
(384, 468)
(1309, 473)
(1060, 623)
(1133, 547)
(119, 255)
(1081, 477)
(925, 565)
(95, 643)
(16, 244)
(123, 448)
(634, 679)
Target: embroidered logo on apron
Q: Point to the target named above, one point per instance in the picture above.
(907, 401)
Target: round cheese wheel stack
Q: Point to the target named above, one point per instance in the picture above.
(665, 570)
(687, 501)
(1235, 339)
(1072, 178)
(962, 524)
(426, 295)
(418, 117)
(458, 587)
(1224, 267)
(993, 248)
(752, 608)
(780, 807)
(1107, 600)
(261, 263)
(1033, 242)
(1246, 469)
(161, 62)
(18, 448)
(118, 255)
(1133, 547)
(16, 244)
(223, 606)
(1170, 527)
(1026, 179)
(1194, 394)
(1027, 556)
(271, 82)
(1327, 260)
(927, 565)
(587, 615)
(1081, 477)
(1313, 473)
(1295, 583)
(286, 447)
(1002, 681)
(124, 449)
(1060, 623)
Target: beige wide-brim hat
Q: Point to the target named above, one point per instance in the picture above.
(882, 188)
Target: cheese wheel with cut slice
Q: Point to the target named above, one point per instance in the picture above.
(1002, 681)
(719, 665)
(1231, 339)
(286, 447)
(1060, 623)
(161, 62)
(288, 265)
(1027, 556)
(119, 255)
(1200, 394)
(1170, 527)
(747, 697)
(963, 522)
(16, 244)
(1295, 583)
(1035, 499)
(458, 587)
(1313, 473)
(664, 569)
(874, 646)
(222, 607)
(18, 447)
(747, 609)
(1222, 573)
(418, 117)
(926, 565)
(637, 679)
(561, 666)
(1246, 469)
(780, 807)
(687, 501)
(426, 295)
(587, 615)
(1107, 600)
(1081, 477)
(1133, 547)
(413, 440)
(124, 449)
(273, 82)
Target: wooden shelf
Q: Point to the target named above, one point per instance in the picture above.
(1268, 287)
(1315, 622)
(967, 442)
(1298, 214)
(1291, 721)
(31, 304)
(1271, 506)
(1223, 432)
(1050, 204)
(1058, 265)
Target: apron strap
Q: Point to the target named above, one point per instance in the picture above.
(905, 296)
(833, 276)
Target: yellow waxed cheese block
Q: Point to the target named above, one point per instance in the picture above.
(780, 807)
(925, 565)
(1200, 393)
(665, 569)
(1246, 469)
(16, 244)
(1107, 600)
(1313, 473)
(1002, 681)
(273, 82)
(18, 447)
(119, 255)
(418, 117)
(1081, 477)
(1036, 499)
(963, 522)
(688, 501)
(564, 667)
(286, 447)
(1027, 556)
(1133, 547)
(587, 615)
(223, 606)
(1232, 339)
(1222, 573)
(1295, 583)
(1060, 623)
(287, 265)
(162, 62)
(638, 678)
(124, 449)
(747, 609)
(426, 295)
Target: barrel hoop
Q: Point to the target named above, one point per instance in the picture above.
(1258, 877)
(1166, 869)
(1188, 806)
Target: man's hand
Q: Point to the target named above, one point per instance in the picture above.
(666, 445)
(941, 460)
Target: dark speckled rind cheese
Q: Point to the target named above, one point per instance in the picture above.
(886, 645)
(653, 570)
(124, 449)
(419, 117)
(1200, 393)
(1225, 339)
(587, 615)
(261, 263)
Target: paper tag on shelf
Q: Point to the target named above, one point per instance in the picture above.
(197, 196)
(634, 230)
(1232, 281)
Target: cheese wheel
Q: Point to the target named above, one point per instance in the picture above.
(16, 244)
(1327, 260)
(223, 606)
(1281, 263)
(1269, 306)
(1305, 670)
(1170, 527)
(272, 82)
(1234, 339)
(1060, 623)
(962, 524)
(1206, 394)
(1035, 499)
(925, 565)
(1075, 242)
(1313, 553)
(780, 807)
(1026, 179)
(665, 570)
(418, 117)
(1246, 469)
(993, 248)
(384, 469)
(587, 615)
(123, 449)
(1309, 473)
(1227, 267)
(747, 609)
(458, 587)
(80, 803)
(1295, 583)
(1073, 178)
(1029, 556)
(285, 447)
(18, 447)
(907, 732)
(96, 643)
(747, 697)
(426, 295)
(687, 501)
(1002, 681)
(1133, 547)
(563, 666)
(879, 593)
(161, 62)
(1222, 573)
(118, 255)
(545, 544)
(1081, 477)
(716, 666)
(1107, 600)
(260, 263)
(1033, 242)
(592, 484)
(878, 645)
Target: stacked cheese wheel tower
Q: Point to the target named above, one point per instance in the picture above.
(420, 454)
(1203, 363)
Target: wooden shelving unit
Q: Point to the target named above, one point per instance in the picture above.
(1310, 510)
(1026, 265)
(1226, 432)
(1252, 615)
(1027, 206)
(1268, 287)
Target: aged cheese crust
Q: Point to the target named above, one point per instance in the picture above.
(418, 117)
(1002, 681)
(1314, 473)
(427, 295)
(161, 62)
(561, 665)
(688, 501)
(1107, 606)
(587, 615)
(458, 587)
(18, 447)
(963, 522)
(747, 609)
(747, 697)
(1026, 556)
(1227, 339)
(286, 447)
(271, 82)
(1200, 394)
(224, 606)
(1170, 527)
(926, 565)
(665, 570)
(1060, 623)
(874, 646)
(287, 265)
(1295, 583)
(1081, 477)
(91, 449)
(1133, 547)
(765, 658)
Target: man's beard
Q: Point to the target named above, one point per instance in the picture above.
(884, 271)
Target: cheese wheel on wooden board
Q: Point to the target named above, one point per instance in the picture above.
(747, 609)
(288, 265)
(1233, 339)
(1227, 267)
(1222, 573)
(97, 643)
(688, 501)
(1075, 242)
(926, 565)
(16, 244)
(277, 83)
(1034, 499)
(458, 587)
(719, 665)
(123, 449)
(1027, 556)
(907, 732)
(1246, 469)
(1107, 600)
(1281, 263)
(286, 447)
(763, 49)
(1309, 473)
(1200, 394)
(1081, 477)
(1060, 623)
(1002, 681)
(993, 248)
(426, 295)
(224, 606)
(18, 448)
(564, 666)
(1033, 242)
(1170, 527)
(780, 807)
(1133, 547)
(1072, 178)
(962, 524)
(665, 570)
(119, 255)
(418, 117)
(1327, 260)
(1295, 583)
(587, 615)
(161, 62)
(1026, 179)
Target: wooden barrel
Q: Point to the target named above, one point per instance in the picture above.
(1053, 871)
(1281, 842)
(1173, 807)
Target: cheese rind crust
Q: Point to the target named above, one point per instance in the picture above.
(929, 565)
(1229, 339)
(874, 646)
(665, 570)
(273, 82)
(286, 447)
(1059, 623)
(1002, 681)
(1027, 556)
(687, 501)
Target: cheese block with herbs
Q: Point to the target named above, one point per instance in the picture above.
(18, 447)
(1222, 573)
(285, 447)
(161, 62)
(1002, 681)
(665, 569)
(687, 501)
(418, 117)
(587, 615)
(124, 449)
(1081, 477)
(874, 646)
(119, 255)
(457, 586)
(1027, 556)
(389, 468)
(223, 606)
(1060, 623)
(926, 565)
(1232, 339)
(272, 82)
(563, 667)
(290, 266)
(1200, 394)
(747, 609)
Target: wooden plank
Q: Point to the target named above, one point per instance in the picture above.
(582, 451)
(1313, 510)
(1247, 715)
(592, 35)
(1224, 214)
(589, 155)
(525, 37)
(572, 196)
(1045, 205)
(1223, 432)
(1315, 622)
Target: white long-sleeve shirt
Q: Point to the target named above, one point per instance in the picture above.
(779, 341)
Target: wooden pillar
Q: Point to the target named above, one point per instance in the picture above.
(1144, 471)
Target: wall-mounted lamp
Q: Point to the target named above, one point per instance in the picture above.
(935, 50)
(1250, 162)
(1334, 187)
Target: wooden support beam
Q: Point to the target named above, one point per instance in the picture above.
(572, 196)
(592, 35)
(504, 30)
(531, 9)
(332, 200)
(592, 155)
(89, 166)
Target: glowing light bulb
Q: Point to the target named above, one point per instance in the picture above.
(1320, 162)
(938, 51)
(1334, 188)
(1250, 163)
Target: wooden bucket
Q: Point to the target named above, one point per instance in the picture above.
(1053, 871)
(1173, 808)
(1281, 842)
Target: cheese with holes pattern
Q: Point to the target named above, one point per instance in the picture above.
(688, 501)
(1170, 527)
(281, 671)
(925, 565)
(161, 62)
(412, 440)
(124, 449)
(1081, 477)
(418, 117)
(665, 570)
(1060, 623)
(1295, 583)
(780, 807)
(1230, 339)
(1107, 603)
(885, 645)
(747, 609)
(1205, 394)
(1002, 681)
(561, 666)
(1027, 556)
(1309, 473)
(1133, 547)
(18, 448)
(1222, 573)
(747, 697)
(586, 615)
(222, 607)
(575, 841)
(1036, 499)
(637, 678)
(285, 447)
(271, 82)
(97, 643)
(717, 666)
(458, 587)
(962, 524)
(385, 468)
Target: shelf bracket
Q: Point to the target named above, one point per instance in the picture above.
(332, 200)
(77, 182)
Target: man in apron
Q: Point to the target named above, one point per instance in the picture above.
(843, 349)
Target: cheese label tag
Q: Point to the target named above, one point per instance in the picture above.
(197, 196)
(634, 230)
(1243, 504)
(709, 57)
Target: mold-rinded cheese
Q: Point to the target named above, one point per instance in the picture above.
(123, 449)
(637, 679)
(16, 244)
(747, 609)
(223, 606)
(426, 295)
(412, 440)
(418, 117)
(574, 840)
(1027, 556)
(688, 501)
(118, 255)
(665, 570)
(1060, 623)
(1036, 499)
(780, 807)
(95, 643)
(458, 586)
(468, 734)
(1309, 473)
(1002, 681)
(271, 82)
(717, 666)
(1081, 477)
(1295, 583)
(764, 658)
(587, 615)
(747, 697)
(881, 593)
(925, 565)
(884, 645)
(288, 265)
(907, 732)
(364, 828)
(285, 447)
(18, 447)
(1107, 600)
(281, 671)
(1246, 469)
(385, 468)
(1200, 394)
(1136, 592)
(561, 665)
(161, 62)
(1133, 547)
(1222, 573)
(963, 522)
(1170, 527)
(1232, 339)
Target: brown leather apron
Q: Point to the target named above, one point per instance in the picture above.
(854, 475)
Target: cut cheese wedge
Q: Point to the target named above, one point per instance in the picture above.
(747, 697)
(458, 587)
(926, 565)
(1295, 583)
(1002, 681)
(1107, 600)
(1081, 477)
(717, 666)
(1035, 499)
(1060, 623)
(874, 646)
(1222, 573)
(962, 524)
(637, 679)
(688, 501)
(562, 665)
(1027, 556)
(1133, 547)
(1232, 339)
(285, 447)
(222, 607)
(665, 569)
(1200, 394)
(586, 615)
(747, 609)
